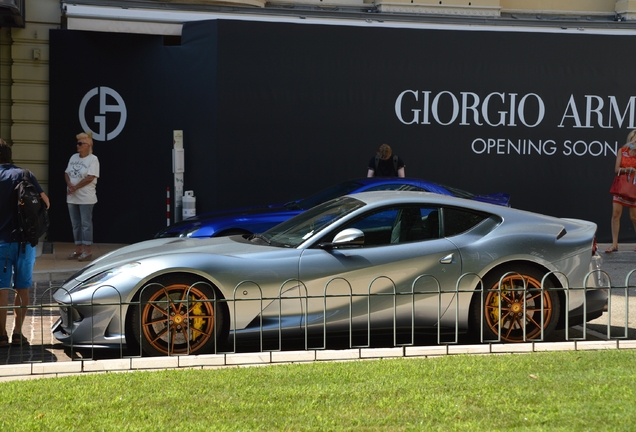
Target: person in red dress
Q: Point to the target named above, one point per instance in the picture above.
(625, 165)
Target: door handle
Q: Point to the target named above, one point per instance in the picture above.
(448, 259)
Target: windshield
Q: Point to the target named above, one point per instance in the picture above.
(298, 229)
(336, 191)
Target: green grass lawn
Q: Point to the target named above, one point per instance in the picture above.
(570, 391)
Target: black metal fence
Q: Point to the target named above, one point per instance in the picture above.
(360, 332)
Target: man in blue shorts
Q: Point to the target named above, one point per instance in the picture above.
(16, 260)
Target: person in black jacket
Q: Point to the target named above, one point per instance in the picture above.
(16, 259)
(385, 164)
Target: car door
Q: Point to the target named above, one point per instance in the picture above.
(403, 253)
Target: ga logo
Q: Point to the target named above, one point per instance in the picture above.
(104, 132)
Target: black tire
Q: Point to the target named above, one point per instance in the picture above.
(511, 314)
(178, 314)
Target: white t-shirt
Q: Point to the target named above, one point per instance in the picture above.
(78, 168)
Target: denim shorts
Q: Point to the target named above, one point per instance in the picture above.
(17, 262)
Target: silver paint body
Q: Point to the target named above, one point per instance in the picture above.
(268, 287)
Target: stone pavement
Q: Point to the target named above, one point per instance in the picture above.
(54, 266)
(45, 357)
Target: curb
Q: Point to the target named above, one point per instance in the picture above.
(215, 361)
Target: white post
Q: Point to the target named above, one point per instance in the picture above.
(178, 168)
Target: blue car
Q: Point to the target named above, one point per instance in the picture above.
(261, 218)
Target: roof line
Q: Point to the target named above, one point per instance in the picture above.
(370, 14)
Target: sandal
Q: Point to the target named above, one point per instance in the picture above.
(72, 256)
(612, 249)
(85, 257)
(4, 340)
(19, 339)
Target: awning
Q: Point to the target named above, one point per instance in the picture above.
(169, 22)
(145, 21)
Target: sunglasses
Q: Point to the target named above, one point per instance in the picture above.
(81, 143)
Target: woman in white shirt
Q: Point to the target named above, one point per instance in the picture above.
(81, 177)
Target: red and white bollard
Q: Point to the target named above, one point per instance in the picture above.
(168, 206)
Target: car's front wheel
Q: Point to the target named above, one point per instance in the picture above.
(507, 311)
(179, 314)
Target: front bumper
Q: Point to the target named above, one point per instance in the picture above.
(95, 328)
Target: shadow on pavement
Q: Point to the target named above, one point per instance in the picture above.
(15, 354)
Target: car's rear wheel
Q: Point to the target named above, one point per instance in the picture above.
(179, 314)
(512, 308)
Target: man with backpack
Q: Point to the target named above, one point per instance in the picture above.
(385, 164)
(17, 256)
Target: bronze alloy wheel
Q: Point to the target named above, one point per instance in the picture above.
(177, 318)
(517, 308)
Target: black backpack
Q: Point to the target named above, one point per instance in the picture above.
(31, 216)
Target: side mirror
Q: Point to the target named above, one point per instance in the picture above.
(348, 237)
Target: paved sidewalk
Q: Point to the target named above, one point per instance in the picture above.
(56, 267)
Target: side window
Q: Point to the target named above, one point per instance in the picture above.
(399, 225)
(376, 227)
(416, 224)
(457, 221)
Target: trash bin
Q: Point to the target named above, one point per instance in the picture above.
(189, 204)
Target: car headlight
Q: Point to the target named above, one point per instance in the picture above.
(101, 278)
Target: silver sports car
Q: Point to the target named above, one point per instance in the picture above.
(368, 263)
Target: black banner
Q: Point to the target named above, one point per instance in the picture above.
(271, 112)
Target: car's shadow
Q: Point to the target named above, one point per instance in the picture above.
(26, 353)
(594, 332)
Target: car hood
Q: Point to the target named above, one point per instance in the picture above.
(241, 211)
(282, 209)
(227, 246)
